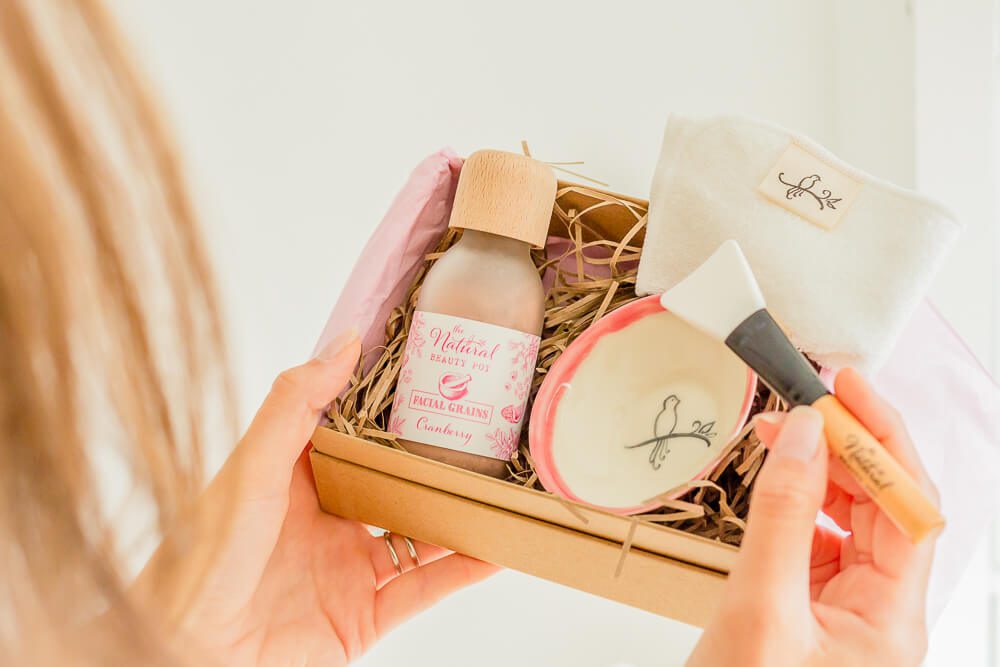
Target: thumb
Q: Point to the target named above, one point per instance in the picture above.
(775, 554)
(282, 426)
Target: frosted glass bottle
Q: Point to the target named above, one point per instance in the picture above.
(473, 342)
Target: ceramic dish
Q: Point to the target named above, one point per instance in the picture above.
(637, 406)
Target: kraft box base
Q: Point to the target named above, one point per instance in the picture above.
(655, 568)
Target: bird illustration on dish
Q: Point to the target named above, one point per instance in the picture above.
(665, 430)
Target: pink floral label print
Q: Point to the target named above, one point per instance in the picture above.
(464, 385)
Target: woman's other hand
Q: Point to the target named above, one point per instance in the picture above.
(801, 594)
(292, 585)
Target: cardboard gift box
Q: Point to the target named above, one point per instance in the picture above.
(650, 566)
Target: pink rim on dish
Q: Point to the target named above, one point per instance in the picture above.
(540, 425)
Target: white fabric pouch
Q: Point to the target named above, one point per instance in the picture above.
(843, 258)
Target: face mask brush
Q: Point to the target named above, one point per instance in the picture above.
(722, 298)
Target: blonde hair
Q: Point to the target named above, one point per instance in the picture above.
(110, 345)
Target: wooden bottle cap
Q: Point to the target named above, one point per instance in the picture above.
(505, 194)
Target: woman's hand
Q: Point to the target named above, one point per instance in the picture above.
(803, 595)
(292, 585)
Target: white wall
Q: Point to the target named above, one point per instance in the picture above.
(956, 149)
(301, 118)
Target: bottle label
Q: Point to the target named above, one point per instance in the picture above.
(463, 385)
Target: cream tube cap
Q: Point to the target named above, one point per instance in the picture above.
(505, 194)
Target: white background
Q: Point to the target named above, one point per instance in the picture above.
(301, 118)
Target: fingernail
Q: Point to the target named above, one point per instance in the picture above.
(338, 343)
(768, 417)
(799, 436)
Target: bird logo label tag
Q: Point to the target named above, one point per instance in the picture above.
(809, 187)
(670, 429)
